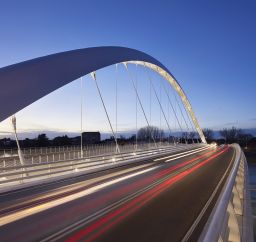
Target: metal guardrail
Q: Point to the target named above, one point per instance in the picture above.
(231, 218)
(20, 174)
(9, 158)
(12, 161)
(89, 149)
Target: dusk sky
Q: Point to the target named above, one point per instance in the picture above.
(209, 46)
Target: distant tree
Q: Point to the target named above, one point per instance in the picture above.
(29, 142)
(7, 143)
(224, 134)
(244, 139)
(121, 140)
(61, 141)
(252, 143)
(122, 137)
(146, 133)
(231, 135)
(42, 140)
(171, 139)
(184, 135)
(132, 138)
(208, 133)
(192, 135)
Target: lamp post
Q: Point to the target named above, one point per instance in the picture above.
(13, 120)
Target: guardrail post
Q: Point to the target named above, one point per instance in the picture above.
(21, 175)
(49, 169)
(237, 204)
(234, 231)
(240, 180)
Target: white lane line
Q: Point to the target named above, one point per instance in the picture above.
(30, 211)
(84, 221)
(175, 158)
(71, 187)
(170, 156)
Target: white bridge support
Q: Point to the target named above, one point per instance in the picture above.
(231, 218)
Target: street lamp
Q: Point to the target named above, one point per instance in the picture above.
(13, 120)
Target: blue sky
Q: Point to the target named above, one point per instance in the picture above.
(209, 46)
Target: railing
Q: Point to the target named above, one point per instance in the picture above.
(231, 218)
(50, 154)
(107, 147)
(44, 170)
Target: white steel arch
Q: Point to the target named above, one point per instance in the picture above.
(24, 83)
(179, 90)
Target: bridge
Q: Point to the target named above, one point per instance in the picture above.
(168, 187)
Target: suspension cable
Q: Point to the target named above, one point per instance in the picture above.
(116, 100)
(182, 113)
(159, 101)
(175, 120)
(190, 122)
(175, 114)
(182, 117)
(93, 74)
(150, 109)
(191, 125)
(168, 117)
(160, 111)
(81, 118)
(136, 91)
(136, 112)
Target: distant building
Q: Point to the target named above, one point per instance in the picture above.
(91, 137)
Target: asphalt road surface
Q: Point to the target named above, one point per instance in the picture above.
(155, 200)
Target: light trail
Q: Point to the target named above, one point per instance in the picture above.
(187, 152)
(119, 214)
(59, 201)
(27, 212)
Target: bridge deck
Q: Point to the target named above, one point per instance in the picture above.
(152, 201)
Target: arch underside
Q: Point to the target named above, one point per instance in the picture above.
(26, 82)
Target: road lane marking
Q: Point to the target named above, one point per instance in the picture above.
(101, 225)
(29, 211)
(82, 222)
(181, 156)
(170, 156)
(35, 200)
